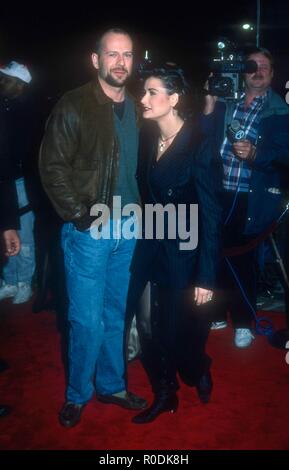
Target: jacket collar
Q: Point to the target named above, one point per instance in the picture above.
(98, 92)
(103, 99)
(274, 105)
(186, 142)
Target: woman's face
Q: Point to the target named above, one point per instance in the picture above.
(156, 101)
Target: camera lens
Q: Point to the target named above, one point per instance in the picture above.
(220, 86)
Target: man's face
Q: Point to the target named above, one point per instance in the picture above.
(115, 59)
(9, 86)
(260, 80)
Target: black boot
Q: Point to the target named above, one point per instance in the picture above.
(162, 402)
(3, 365)
(4, 410)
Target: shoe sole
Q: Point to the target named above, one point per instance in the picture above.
(243, 346)
(22, 301)
(121, 404)
(68, 425)
(8, 297)
(218, 327)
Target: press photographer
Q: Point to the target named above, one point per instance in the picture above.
(252, 136)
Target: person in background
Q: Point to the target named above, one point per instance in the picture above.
(253, 161)
(9, 224)
(16, 124)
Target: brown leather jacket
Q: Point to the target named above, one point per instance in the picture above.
(79, 155)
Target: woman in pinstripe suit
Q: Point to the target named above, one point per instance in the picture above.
(177, 167)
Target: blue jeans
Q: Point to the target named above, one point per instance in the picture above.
(97, 276)
(20, 268)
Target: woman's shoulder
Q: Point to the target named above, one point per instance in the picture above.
(194, 137)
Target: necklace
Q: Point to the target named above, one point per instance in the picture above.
(162, 143)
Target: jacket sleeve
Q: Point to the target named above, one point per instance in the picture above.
(207, 123)
(212, 125)
(208, 180)
(57, 152)
(273, 143)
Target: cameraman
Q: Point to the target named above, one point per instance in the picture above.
(252, 183)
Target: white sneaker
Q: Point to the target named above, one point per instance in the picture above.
(24, 292)
(7, 290)
(218, 325)
(243, 337)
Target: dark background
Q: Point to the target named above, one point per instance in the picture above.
(55, 40)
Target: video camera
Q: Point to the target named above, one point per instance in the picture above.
(227, 68)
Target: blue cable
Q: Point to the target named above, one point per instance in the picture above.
(235, 198)
(233, 206)
(264, 326)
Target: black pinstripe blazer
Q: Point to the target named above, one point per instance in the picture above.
(187, 173)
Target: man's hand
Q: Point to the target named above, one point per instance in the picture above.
(210, 100)
(244, 149)
(202, 295)
(12, 242)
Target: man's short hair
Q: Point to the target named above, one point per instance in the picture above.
(261, 50)
(99, 40)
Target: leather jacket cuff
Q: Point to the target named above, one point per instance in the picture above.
(84, 222)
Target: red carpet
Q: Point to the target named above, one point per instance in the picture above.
(249, 407)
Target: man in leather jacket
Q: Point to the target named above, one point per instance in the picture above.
(88, 156)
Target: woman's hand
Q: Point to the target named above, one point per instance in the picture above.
(202, 296)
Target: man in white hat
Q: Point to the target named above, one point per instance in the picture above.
(14, 78)
(15, 151)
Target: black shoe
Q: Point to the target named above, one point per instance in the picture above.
(130, 401)
(204, 387)
(159, 405)
(3, 365)
(70, 414)
(4, 410)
